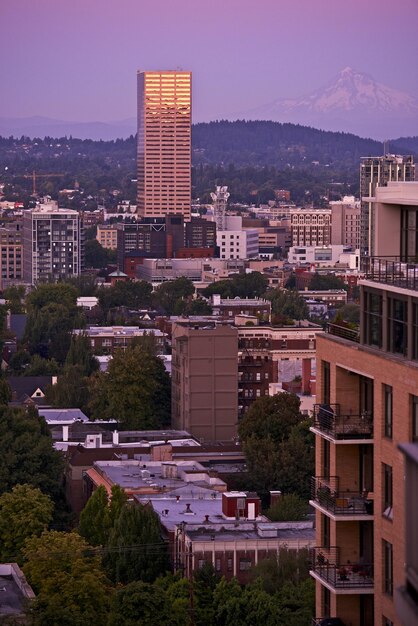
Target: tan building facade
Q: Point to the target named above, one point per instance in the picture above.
(164, 144)
(310, 227)
(107, 236)
(205, 381)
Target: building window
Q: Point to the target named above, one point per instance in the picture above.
(326, 602)
(387, 567)
(373, 319)
(229, 565)
(387, 491)
(218, 565)
(245, 565)
(397, 325)
(325, 458)
(326, 382)
(326, 539)
(201, 563)
(414, 415)
(388, 409)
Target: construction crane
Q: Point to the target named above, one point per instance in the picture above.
(34, 176)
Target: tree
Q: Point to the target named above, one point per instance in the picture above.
(70, 390)
(100, 515)
(251, 285)
(288, 566)
(80, 355)
(136, 550)
(136, 389)
(5, 392)
(132, 294)
(271, 416)
(15, 295)
(348, 313)
(321, 282)
(171, 294)
(67, 577)
(27, 455)
(289, 508)
(287, 305)
(52, 315)
(24, 512)
(278, 445)
(95, 255)
(94, 518)
(41, 367)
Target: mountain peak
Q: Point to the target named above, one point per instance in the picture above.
(352, 102)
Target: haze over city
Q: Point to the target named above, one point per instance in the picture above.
(77, 61)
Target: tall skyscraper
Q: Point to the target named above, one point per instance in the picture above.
(377, 172)
(52, 243)
(164, 143)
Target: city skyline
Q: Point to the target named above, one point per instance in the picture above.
(281, 50)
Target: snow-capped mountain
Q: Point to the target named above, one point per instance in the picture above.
(351, 102)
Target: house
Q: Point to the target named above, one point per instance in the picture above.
(30, 390)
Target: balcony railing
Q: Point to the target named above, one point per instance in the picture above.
(329, 420)
(392, 271)
(345, 333)
(325, 491)
(326, 564)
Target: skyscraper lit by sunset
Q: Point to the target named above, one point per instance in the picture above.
(164, 143)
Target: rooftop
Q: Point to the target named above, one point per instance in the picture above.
(14, 590)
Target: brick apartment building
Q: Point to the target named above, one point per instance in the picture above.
(205, 381)
(368, 406)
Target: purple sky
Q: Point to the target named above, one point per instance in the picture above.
(77, 59)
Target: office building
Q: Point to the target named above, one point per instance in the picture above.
(205, 381)
(11, 253)
(107, 236)
(164, 144)
(378, 172)
(367, 386)
(52, 243)
(310, 227)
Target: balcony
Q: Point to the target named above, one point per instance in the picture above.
(330, 422)
(350, 505)
(343, 332)
(392, 271)
(327, 567)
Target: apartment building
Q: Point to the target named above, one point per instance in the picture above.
(205, 381)
(108, 339)
(52, 243)
(367, 392)
(11, 253)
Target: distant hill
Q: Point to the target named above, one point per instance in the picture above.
(40, 127)
(283, 145)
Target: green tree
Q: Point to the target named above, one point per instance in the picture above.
(271, 416)
(289, 566)
(5, 392)
(132, 294)
(24, 512)
(136, 390)
(289, 508)
(70, 584)
(27, 455)
(136, 550)
(277, 445)
(94, 518)
(41, 367)
(80, 355)
(251, 285)
(52, 315)
(287, 305)
(96, 256)
(15, 295)
(171, 295)
(321, 282)
(70, 390)
(348, 313)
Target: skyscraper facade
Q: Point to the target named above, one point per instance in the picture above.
(164, 144)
